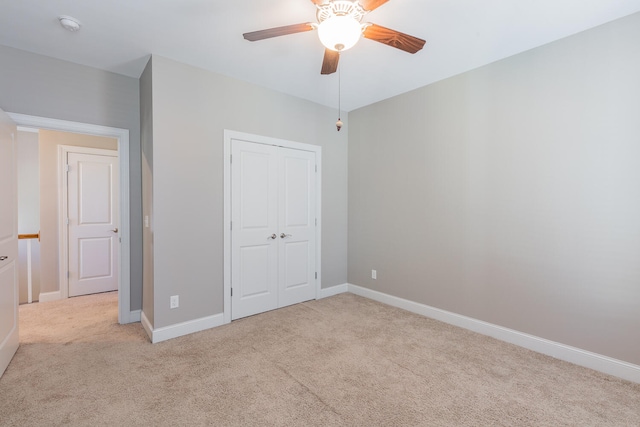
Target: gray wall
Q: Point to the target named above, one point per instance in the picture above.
(146, 141)
(41, 86)
(49, 141)
(191, 109)
(510, 193)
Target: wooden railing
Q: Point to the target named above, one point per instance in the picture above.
(28, 237)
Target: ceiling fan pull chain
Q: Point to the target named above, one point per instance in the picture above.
(339, 122)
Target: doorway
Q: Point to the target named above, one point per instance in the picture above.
(272, 223)
(125, 315)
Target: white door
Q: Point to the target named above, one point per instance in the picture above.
(296, 226)
(254, 207)
(8, 242)
(93, 223)
(273, 227)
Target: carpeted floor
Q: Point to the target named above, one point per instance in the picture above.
(340, 361)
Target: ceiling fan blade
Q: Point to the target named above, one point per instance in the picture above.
(278, 31)
(330, 61)
(372, 4)
(393, 38)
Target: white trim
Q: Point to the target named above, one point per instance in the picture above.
(63, 254)
(226, 238)
(319, 219)
(135, 315)
(333, 290)
(598, 362)
(122, 135)
(49, 296)
(180, 329)
(146, 325)
(228, 136)
(25, 129)
(29, 274)
(63, 205)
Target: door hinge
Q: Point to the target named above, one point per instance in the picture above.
(316, 222)
(68, 275)
(66, 168)
(231, 291)
(231, 225)
(231, 158)
(316, 168)
(67, 221)
(316, 274)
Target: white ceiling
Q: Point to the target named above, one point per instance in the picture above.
(119, 35)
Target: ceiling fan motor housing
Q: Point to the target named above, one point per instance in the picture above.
(340, 8)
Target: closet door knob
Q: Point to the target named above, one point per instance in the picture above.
(3, 257)
(282, 236)
(273, 236)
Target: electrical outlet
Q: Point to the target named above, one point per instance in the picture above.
(174, 301)
(374, 274)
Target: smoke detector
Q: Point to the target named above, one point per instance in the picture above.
(69, 23)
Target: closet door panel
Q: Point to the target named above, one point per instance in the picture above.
(254, 216)
(297, 258)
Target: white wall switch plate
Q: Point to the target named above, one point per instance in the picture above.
(374, 274)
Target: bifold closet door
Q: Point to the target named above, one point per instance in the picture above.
(273, 227)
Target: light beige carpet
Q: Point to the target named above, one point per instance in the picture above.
(343, 360)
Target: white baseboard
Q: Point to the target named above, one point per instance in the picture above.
(177, 330)
(146, 325)
(49, 296)
(135, 316)
(180, 329)
(333, 290)
(129, 317)
(598, 362)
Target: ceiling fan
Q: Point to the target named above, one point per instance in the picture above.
(339, 28)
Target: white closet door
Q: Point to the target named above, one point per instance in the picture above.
(273, 233)
(254, 216)
(296, 226)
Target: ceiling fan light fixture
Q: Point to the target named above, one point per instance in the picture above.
(340, 27)
(339, 33)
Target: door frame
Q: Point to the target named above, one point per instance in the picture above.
(230, 135)
(125, 315)
(63, 209)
